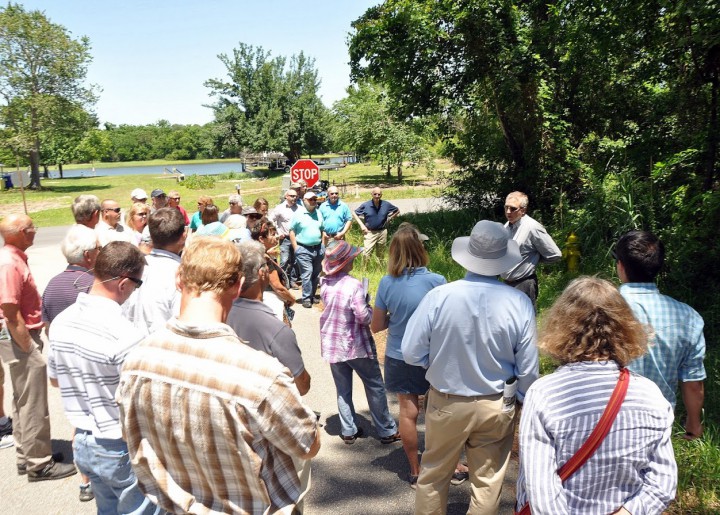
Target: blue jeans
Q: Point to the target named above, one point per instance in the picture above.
(369, 372)
(287, 259)
(107, 464)
(309, 262)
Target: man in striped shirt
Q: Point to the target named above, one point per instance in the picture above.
(213, 425)
(88, 344)
(677, 349)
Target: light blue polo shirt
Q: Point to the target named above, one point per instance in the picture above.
(307, 227)
(335, 216)
(400, 296)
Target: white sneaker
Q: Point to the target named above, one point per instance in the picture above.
(7, 441)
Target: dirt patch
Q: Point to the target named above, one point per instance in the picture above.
(36, 205)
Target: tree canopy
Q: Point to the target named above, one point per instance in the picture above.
(42, 75)
(268, 103)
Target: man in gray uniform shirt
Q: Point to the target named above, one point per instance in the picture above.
(536, 245)
(256, 324)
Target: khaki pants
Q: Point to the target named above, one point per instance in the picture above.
(31, 419)
(478, 424)
(373, 238)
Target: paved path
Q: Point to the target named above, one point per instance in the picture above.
(364, 478)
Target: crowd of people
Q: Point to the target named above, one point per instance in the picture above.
(154, 320)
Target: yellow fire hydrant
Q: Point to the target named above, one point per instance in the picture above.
(571, 253)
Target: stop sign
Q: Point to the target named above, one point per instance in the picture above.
(306, 170)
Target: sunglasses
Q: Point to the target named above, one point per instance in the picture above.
(174, 198)
(512, 209)
(115, 209)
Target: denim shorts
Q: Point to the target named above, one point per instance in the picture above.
(403, 378)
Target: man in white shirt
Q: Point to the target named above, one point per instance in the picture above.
(88, 345)
(150, 308)
(281, 216)
(109, 227)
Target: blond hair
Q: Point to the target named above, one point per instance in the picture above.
(591, 321)
(137, 207)
(210, 264)
(406, 251)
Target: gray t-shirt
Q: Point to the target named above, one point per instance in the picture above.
(256, 324)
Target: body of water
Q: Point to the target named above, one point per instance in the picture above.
(185, 169)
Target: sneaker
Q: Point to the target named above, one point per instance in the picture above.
(307, 303)
(6, 441)
(86, 493)
(390, 439)
(56, 456)
(458, 478)
(52, 470)
(349, 440)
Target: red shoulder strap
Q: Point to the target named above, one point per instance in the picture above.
(596, 438)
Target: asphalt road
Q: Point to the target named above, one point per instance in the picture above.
(364, 478)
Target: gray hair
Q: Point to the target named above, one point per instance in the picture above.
(235, 198)
(520, 196)
(84, 206)
(77, 241)
(253, 259)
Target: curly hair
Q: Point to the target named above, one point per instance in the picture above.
(591, 321)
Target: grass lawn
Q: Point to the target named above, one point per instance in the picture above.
(50, 205)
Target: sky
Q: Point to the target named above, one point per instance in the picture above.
(151, 58)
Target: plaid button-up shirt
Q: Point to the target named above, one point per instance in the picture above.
(677, 349)
(345, 322)
(211, 424)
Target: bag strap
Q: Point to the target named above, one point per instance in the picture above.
(585, 452)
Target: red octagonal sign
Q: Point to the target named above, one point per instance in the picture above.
(305, 169)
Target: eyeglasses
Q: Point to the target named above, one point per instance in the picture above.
(291, 196)
(311, 199)
(233, 203)
(174, 198)
(333, 194)
(141, 214)
(377, 194)
(115, 209)
(512, 209)
(138, 282)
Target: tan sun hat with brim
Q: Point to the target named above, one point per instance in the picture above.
(488, 250)
(338, 255)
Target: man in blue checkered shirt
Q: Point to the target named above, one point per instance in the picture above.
(677, 345)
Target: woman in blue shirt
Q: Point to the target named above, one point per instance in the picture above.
(399, 293)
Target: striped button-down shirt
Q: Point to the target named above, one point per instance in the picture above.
(345, 321)
(677, 347)
(211, 424)
(634, 466)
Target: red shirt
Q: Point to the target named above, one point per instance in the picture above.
(17, 286)
(185, 215)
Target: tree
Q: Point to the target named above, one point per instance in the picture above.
(42, 74)
(365, 125)
(266, 105)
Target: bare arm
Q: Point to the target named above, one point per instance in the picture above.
(345, 229)
(280, 289)
(302, 382)
(360, 223)
(693, 394)
(314, 448)
(54, 382)
(293, 241)
(16, 326)
(393, 215)
(379, 321)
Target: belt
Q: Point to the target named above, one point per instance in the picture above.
(83, 431)
(518, 281)
(309, 246)
(465, 397)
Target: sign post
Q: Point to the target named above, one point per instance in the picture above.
(306, 170)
